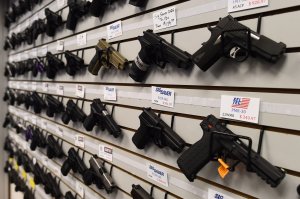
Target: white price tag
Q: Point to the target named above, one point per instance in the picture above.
(81, 39)
(45, 161)
(33, 86)
(57, 171)
(157, 174)
(59, 131)
(34, 160)
(213, 194)
(234, 5)
(79, 189)
(79, 92)
(114, 30)
(44, 50)
(44, 124)
(45, 87)
(18, 85)
(60, 3)
(164, 18)
(60, 45)
(105, 152)
(60, 89)
(240, 108)
(79, 140)
(25, 85)
(33, 119)
(163, 96)
(110, 93)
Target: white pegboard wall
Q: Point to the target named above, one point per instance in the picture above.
(277, 86)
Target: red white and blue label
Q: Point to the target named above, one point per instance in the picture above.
(240, 108)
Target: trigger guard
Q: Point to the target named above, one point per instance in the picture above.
(234, 51)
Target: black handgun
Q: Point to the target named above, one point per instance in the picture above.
(9, 96)
(231, 39)
(69, 195)
(39, 175)
(138, 3)
(77, 9)
(156, 50)
(73, 112)
(37, 67)
(99, 116)
(98, 7)
(37, 102)
(53, 148)
(138, 192)
(218, 141)
(152, 128)
(10, 69)
(53, 22)
(74, 63)
(98, 175)
(54, 64)
(52, 187)
(73, 162)
(54, 106)
(8, 44)
(38, 140)
(38, 27)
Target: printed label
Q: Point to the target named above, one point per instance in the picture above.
(240, 108)
(213, 194)
(79, 92)
(105, 153)
(164, 18)
(110, 93)
(81, 39)
(33, 120)
(237, 5)
(60, 45)
(114, 30)
(157, 174)
(60, 89)
(163, 96)
(79, 140)
(45, 87)
(33, 86)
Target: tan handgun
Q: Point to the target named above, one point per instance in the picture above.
(106, 56)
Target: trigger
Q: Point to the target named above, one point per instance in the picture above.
(223, 169)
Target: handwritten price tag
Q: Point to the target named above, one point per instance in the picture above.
(164, 18)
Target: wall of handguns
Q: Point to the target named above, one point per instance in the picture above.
(64, 144)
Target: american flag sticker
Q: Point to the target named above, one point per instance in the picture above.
(238, 102)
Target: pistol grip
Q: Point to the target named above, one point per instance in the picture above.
(141, 136)
(197, 156)
(208, 54)
(71, 21)
(89, 122)
(94, 65)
